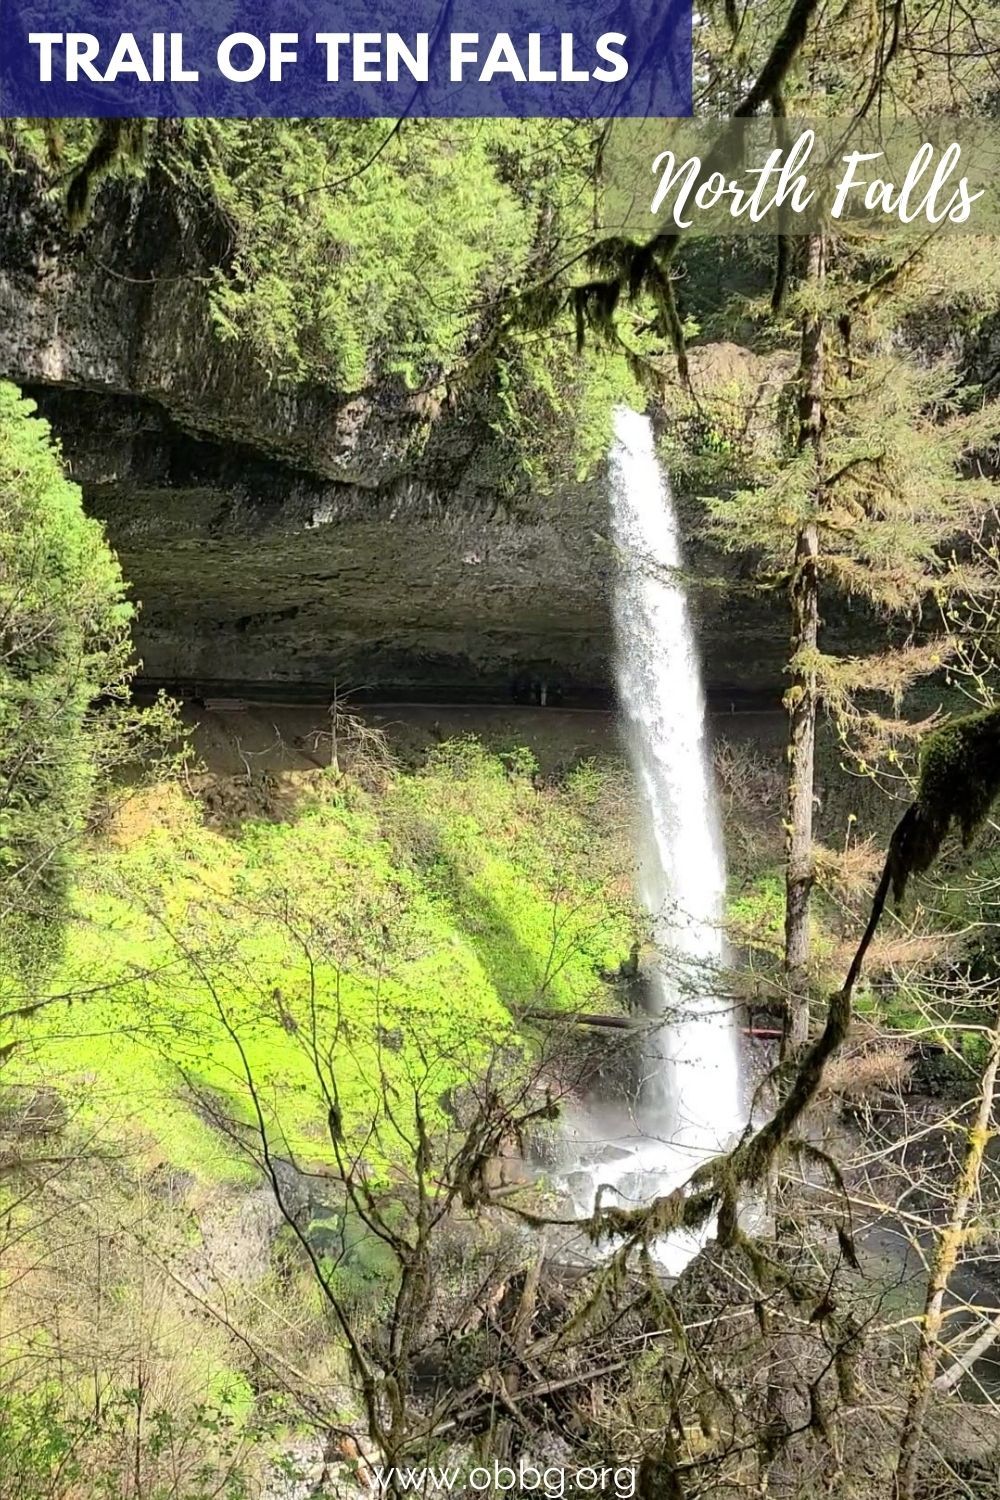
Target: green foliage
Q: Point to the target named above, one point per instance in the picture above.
(890, 497)
(371, 252)
(116, 142)
(52, 1443)
(404, 929)
(551, 405)
(975, 1049)
(756, 914)
(418, 240)
(64, 642)
(367, 251)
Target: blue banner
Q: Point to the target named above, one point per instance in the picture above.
(360, 58)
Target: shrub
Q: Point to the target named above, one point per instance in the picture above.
(64, 643)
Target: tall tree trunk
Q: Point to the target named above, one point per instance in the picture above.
(945, 1255)
(800, 701)
(801, 698)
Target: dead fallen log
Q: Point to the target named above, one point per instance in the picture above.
(587, 1018)
(627, 1023)
(956, 1372)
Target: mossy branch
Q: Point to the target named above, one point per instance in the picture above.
(116, 141)
(959, 781)
(623, 265)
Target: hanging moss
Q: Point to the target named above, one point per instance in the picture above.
(115, 141)
(959, 780)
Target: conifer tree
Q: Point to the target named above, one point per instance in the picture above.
(866, 497)
(862, 489)
(64, 645)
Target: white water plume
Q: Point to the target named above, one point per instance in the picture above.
(690, 1106)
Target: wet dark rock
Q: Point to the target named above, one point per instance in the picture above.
(609, 1154)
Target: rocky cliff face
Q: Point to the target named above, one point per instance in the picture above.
(300, 536)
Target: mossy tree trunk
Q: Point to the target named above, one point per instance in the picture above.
(945, 1256)
(801, 698)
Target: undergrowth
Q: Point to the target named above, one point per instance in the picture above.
(399, 932)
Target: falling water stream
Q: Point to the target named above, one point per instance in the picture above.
(690, 1102)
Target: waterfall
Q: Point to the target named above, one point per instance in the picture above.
(690, 1106)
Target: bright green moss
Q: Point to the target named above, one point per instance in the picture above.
(390, 940)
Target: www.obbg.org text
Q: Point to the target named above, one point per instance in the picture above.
(551, 1482)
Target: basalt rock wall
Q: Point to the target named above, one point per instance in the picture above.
(300, 536)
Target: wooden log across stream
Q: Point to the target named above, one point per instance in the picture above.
(626, 1023)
